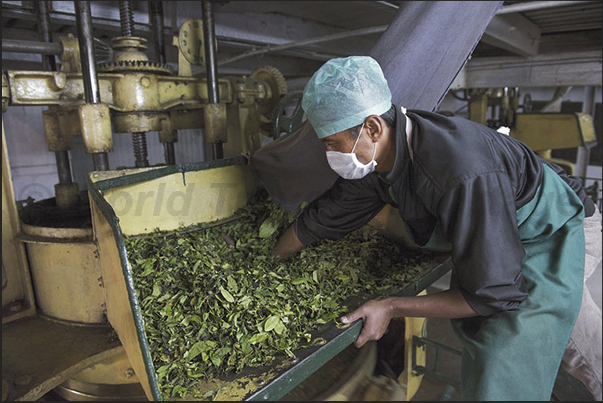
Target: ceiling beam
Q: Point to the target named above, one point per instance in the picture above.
(514, 33)
(551, 70)
(535, 5)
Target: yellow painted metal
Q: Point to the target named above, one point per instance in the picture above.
(17, 291)
(71, 62)
(119, 312)
(38, 354)
(67, 195)
(66, 273)
(478, 106)
(143, 101)
(41, 88)
(136, 92)
(190, 42)
(115, 369)
(184, 66)
(180, 199)
(69, 120)
(167, 133)
(166, 203)
(95, 125)
(554, 131)
(215, 123)
(409, 378)
(54, 88)
(244, 131)
(129, 48)
(55, 138)
(109, 379)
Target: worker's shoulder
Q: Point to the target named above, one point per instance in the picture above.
(451, 150)
(441, 140)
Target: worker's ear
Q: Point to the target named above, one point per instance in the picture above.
(375, 126)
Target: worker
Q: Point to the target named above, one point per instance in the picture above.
(514, 222)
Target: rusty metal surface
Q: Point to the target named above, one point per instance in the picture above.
(39, 354)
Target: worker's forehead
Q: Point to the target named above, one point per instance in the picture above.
(337, 137)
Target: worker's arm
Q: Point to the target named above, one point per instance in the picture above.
(288, 244)
(377, 314)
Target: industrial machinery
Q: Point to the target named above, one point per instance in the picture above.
(51, 259)
(543, 131)
(63, 279)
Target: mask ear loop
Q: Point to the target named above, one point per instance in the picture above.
(357, 138)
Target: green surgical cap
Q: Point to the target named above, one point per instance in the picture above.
(343, 93)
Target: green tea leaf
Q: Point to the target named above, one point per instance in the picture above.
(227, 296)
(198, 348)
(156, 290)
(232, 284)
(258, 338)
(272, 322)
(268, 227)
(214, 299)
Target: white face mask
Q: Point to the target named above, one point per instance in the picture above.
(347, 165)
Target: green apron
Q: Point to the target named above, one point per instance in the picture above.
(515, 355)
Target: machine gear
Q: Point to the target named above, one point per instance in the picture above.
(277, 88)
(135, 65)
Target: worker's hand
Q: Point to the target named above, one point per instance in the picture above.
(376, 315)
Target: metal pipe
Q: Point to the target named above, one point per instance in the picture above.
(156, 19)
(342, 35)
(84, 31)
(42, 48)
(210, 52)
(218, 149)
(43, 18)
(49, 63)
(517, 8)
(101, 161)
(168, 151)
(211, 65)
(63, 167)
(536, 5)
(83, 18)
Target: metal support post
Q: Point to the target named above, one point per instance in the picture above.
(49, 63)
(156, 19)
(91, 88)
(211, 66)
(583, 155)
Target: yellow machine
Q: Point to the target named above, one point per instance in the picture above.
(64, 291)
(542, 132)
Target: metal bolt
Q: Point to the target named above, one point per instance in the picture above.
(60, 80)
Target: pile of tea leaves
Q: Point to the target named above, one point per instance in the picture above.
(215, 300)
